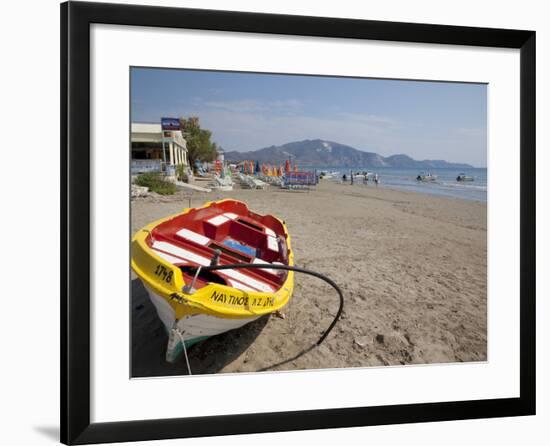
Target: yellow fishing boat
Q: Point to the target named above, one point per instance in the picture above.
(182, 261)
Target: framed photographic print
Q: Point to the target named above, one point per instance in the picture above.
(275, 223)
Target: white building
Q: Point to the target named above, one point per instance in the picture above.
(153, 149)
(221, 154)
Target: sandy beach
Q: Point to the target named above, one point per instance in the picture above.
(413, 269)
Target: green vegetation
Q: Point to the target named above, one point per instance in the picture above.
(156, 183)
(181, 173)
(199, 145)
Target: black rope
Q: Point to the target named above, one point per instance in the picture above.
(295, 269)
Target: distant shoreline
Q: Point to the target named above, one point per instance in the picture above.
(405, 180)
(429, 193)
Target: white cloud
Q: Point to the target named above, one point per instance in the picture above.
(248, 131)
(253, 105)
(367, 118)
(473, 132)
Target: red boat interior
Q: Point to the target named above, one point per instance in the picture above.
(229, 230)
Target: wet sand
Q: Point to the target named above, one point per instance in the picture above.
(413, 269)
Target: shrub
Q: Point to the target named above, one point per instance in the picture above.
(156, 183)
(181, 173)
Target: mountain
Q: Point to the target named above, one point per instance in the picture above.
(317, 152)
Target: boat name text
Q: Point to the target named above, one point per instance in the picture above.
(244, 301)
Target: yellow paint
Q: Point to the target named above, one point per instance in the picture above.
(213, 299)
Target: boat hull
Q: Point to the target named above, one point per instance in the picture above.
(192, 328)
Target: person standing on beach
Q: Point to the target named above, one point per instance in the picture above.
(366, 179)
(376, 179)
(344, 178)
(351, 175)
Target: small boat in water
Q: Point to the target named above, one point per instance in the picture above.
(327, 175)
(464, 177)
(193, 304)
(426, 177)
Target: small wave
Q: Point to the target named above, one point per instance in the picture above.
(464, 186)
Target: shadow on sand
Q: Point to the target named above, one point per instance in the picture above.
(149, 341)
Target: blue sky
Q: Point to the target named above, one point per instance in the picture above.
(248, 111)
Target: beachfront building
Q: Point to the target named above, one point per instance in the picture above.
(155, 150)
(221, 155)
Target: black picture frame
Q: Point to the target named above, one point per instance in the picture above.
(76, 18)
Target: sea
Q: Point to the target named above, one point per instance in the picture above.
(405, 179)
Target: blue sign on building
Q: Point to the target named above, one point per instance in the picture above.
(170, 123)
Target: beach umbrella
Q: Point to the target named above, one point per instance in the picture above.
(251, 167)
(287, 166)
(257, 166)
(295, 168)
